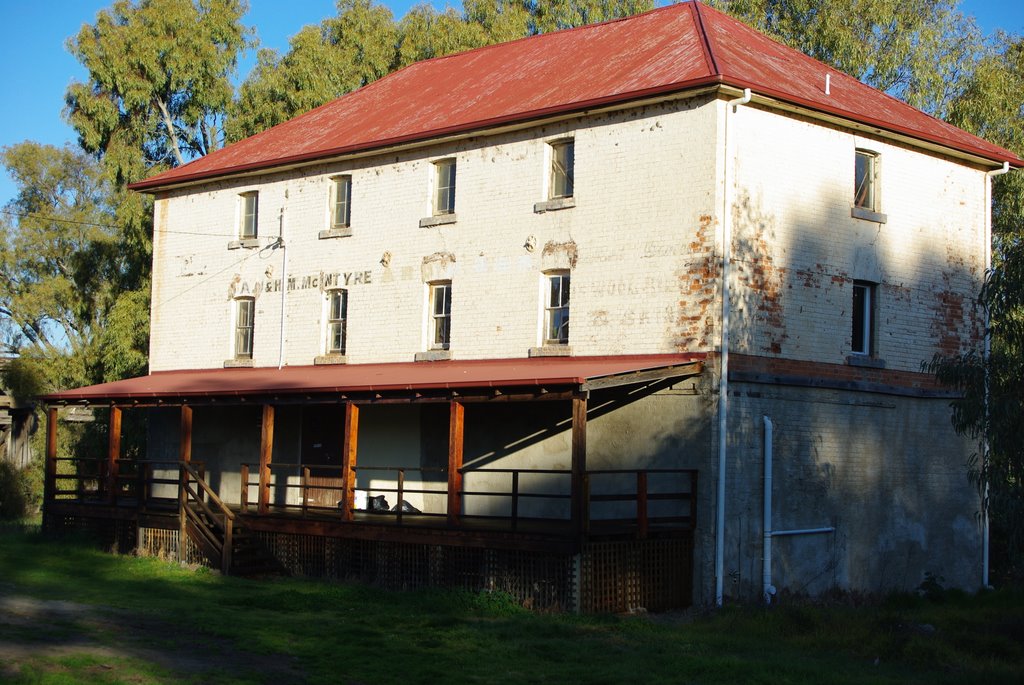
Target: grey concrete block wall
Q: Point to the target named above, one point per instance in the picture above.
(887, 472)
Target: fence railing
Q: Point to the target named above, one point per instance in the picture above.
(131, 482)
(640, 499)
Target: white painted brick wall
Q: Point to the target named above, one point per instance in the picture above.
(794, 192)
(643, 180)
(646, 228)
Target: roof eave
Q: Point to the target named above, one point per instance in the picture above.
(839, 117)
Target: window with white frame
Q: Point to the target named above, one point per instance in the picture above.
(862, 342)
(444, 187)
(562, 162)
(245, 315)
(248, 204)
(341, 201)
(440, 315)
(337, 318)
(865, 190)
(556, 309)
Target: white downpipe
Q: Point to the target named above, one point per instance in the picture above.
(768, 590)
(284, 288)
(723, 380)
(988, 351)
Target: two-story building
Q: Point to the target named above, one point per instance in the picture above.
(627, 315)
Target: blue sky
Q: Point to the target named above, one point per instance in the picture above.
(38, 68)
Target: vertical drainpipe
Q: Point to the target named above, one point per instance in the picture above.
(988, 352)
(766, 573)
(284, 283)
(723, 377)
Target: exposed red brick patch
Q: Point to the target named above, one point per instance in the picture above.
(698, 284)
(843, 372)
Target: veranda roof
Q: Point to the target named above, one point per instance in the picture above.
(668, 50)
(535, 374)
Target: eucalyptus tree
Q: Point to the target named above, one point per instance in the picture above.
(59, 263)
(159, 81)
(991, 378)
(323, 61)
(916, 50)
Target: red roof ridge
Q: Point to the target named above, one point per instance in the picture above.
(709, 54)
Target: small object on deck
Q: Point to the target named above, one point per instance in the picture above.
(406, 508)
(378, 505)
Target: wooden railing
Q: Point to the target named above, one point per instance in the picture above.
(601, 487)
(204, 517)
(632, 499)
(306, 487)
(129, 483)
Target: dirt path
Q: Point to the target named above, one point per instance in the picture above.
(32, 628)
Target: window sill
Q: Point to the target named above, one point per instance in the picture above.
(247, 243)
(550, 351)
(868, 215)
(554, 204)
(339, 232)
(865, 361)
(438, 220)
(237, 363)
(433, 356)
(330, 359)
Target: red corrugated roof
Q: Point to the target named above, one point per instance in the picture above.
(354, 378)
(662, 51)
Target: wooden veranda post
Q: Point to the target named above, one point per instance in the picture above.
(266, 450)
(50, 479)
(113, 453)
(456, 426)
(185, 456)
(349, 446)
(580, 496)
(185, 434)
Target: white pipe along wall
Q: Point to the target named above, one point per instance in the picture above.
(723, 375)
(988, 350)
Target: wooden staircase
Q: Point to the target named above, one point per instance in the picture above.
(215, 530)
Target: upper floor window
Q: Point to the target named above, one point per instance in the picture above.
(865, 191)
(562, 161)
(248, 215)
(245, 315)
(444, 195)
(863, 338)
(440, 315)
(337, 317)
(556, 309)
(341, 201)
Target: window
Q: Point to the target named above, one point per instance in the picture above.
(249, 206)
(562, 159)
(440, 315)
(444, 197)
(865, 191)
(863, 318)
(341, 205)
(556, 310)
(245, 312)
(337, 315)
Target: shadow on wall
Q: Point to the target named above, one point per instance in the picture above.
(886, 470)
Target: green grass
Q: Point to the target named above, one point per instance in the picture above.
(299, 631)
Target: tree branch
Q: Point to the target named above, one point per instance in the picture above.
(169, 125)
